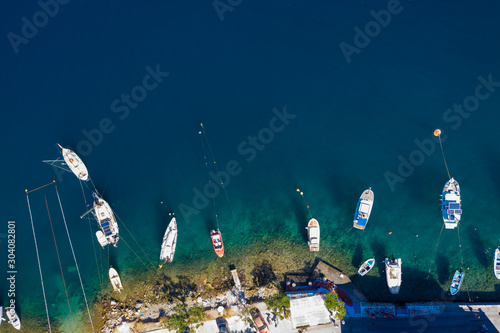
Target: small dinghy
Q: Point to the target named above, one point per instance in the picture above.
(115, 280)
(366, 267)
(363, 209)
(496, 263)
(456, 282)
(313, 234)
(13, 318)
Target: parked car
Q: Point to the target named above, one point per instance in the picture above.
(259, 321)
(222, 325)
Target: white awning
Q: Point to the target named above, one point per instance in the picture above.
(308, 311)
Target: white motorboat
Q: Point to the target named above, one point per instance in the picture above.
(496, 263)
(13, 318)
(451, 204)
(313, 233)
(115, 280)
(393, 274)
(169, 242)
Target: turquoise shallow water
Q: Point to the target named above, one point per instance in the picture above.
(352, 122)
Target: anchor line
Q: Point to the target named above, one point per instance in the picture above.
(341, 238)
(444, 159)
(462, 259)
(38, 258)
(92, 238)
(307, 206)
(74, 257)
(57, 251)
(135, 240)
(435, 249)
(209, 180)
(130, 248)
(217, 170)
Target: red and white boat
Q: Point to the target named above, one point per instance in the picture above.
(217, 242)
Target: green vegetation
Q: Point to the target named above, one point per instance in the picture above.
(335, 304)
(279, 304)
(185, 318)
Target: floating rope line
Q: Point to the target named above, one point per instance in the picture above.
(462, 261)
(130, 248)
(57, 251)
(74, 257)
(302, 194)
(438, 134)
(435, 249)
(27, 192)
(216, 169)
(38, 258)
(92, 237)
(121, 222)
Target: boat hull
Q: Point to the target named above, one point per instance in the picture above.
(366, 267)
(109, 233)
(217, 243)
(169, 242)
(393, 274)
(496, 264)
(363, 209)
(313, 233)
(13, 318)
(456, 282)
(75, 164)
(451, 208)
(115, 280)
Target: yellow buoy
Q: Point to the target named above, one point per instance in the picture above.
(437, 132)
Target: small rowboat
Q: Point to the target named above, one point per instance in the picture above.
(456, 282)
(366, 267)
(115, 280)
(496, 264)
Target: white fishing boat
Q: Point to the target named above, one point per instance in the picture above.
(313, 234)
(115, 280)
(75, 163)
(1, 315)
(13, 318)
(363, 209)
(169, 242)
(107, 222)
(393, 274)
(451, 204)
(366, 267)
(496, 263)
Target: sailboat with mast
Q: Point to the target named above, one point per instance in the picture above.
(169, 242)
(72, 162)
(109, 233)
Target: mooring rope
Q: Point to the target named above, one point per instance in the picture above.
(307, 206)
(57, 251)
(74, 257)
(442, 152)
(38, 258)
(435, 249)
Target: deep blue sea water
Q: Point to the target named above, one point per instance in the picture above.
(351, 122)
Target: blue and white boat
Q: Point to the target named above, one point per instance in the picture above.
(366, 267)
(451, 204)
(456, 282)
(363, 209)
(496, 264)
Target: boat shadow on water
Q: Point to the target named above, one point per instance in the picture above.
(443, 268)
(480, 250)
(357, 257)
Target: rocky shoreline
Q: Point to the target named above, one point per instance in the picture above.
(149, 306)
